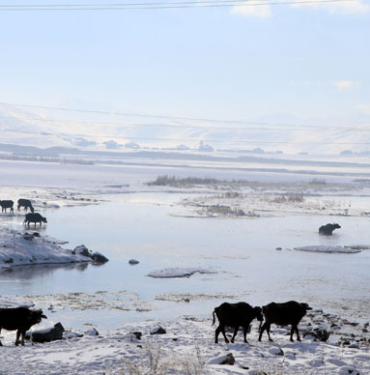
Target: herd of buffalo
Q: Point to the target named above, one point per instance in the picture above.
(233, 315)
(241, 314)
(26, 204)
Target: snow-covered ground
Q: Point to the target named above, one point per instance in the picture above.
(188, 346)
(176, 272)
(25, 248)
(332, 249)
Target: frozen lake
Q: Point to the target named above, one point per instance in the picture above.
(241, 253)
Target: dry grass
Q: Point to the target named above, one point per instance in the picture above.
(153, 362)
(317, 181)
(289, 199)
(182, 182)
(149, 363)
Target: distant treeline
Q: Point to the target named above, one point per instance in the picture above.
(176, 181)
(192, 181)
(45, 159)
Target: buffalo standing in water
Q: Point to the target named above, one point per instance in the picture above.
(328, 229)
(26, 204)
(34, 218)
(6, 204)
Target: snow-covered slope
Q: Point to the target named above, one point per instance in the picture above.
(17, 248)
(91, 130)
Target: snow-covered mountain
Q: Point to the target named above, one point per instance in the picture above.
(98, 130)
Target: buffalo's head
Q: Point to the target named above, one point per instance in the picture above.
(306, 306)
(36, 316)
(258, 313)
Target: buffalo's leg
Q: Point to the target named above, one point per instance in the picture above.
(234, 334)
(219, 329)
(23, 335)
(17, 337)
(245, 331)
(217, 332)
(262, 329)
(268, 326)
(297, 332)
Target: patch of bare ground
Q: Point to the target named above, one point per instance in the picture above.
(187, 297)
(99, 300)
(243, 198)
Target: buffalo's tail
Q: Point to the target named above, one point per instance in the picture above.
(214, 318)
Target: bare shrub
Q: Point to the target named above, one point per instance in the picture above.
(272, 368)
(223, 211)
(194, 365)
(289, 199)
(317, 181)
(198, 181)
(149, 363)
(182, 182)
(162, 181)
(232, 195)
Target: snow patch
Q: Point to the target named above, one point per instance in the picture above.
(188, 344)
(177, 272)
(13, 302)
(329, 249)
(17, 249)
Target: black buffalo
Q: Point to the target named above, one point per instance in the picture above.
(235, 315)
(26, 204)
(34, 218)
(19, 319)
(328, 229)
(283, 314)
(6, 204)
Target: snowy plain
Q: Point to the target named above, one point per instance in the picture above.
(111, 209)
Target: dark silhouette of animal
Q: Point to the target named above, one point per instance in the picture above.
(26, 204)
(235, 315)
(328, 229)
(47, 335)
(283, 314)
(6, 204)
(19, 319)
(34, 218)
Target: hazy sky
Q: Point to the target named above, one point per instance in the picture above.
(231, 63)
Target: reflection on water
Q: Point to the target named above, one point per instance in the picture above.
(38, 271)
(240, 251)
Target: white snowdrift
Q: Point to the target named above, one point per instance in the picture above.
(17, 248)
(14, 301)
(176, 272)
(329, 249)
(187, 348)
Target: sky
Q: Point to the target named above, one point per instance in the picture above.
(310, 61)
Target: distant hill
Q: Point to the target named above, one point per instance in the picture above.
(284, 133)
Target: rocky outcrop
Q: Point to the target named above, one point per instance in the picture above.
(96, 257)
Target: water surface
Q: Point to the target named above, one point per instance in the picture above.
(241, 253)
